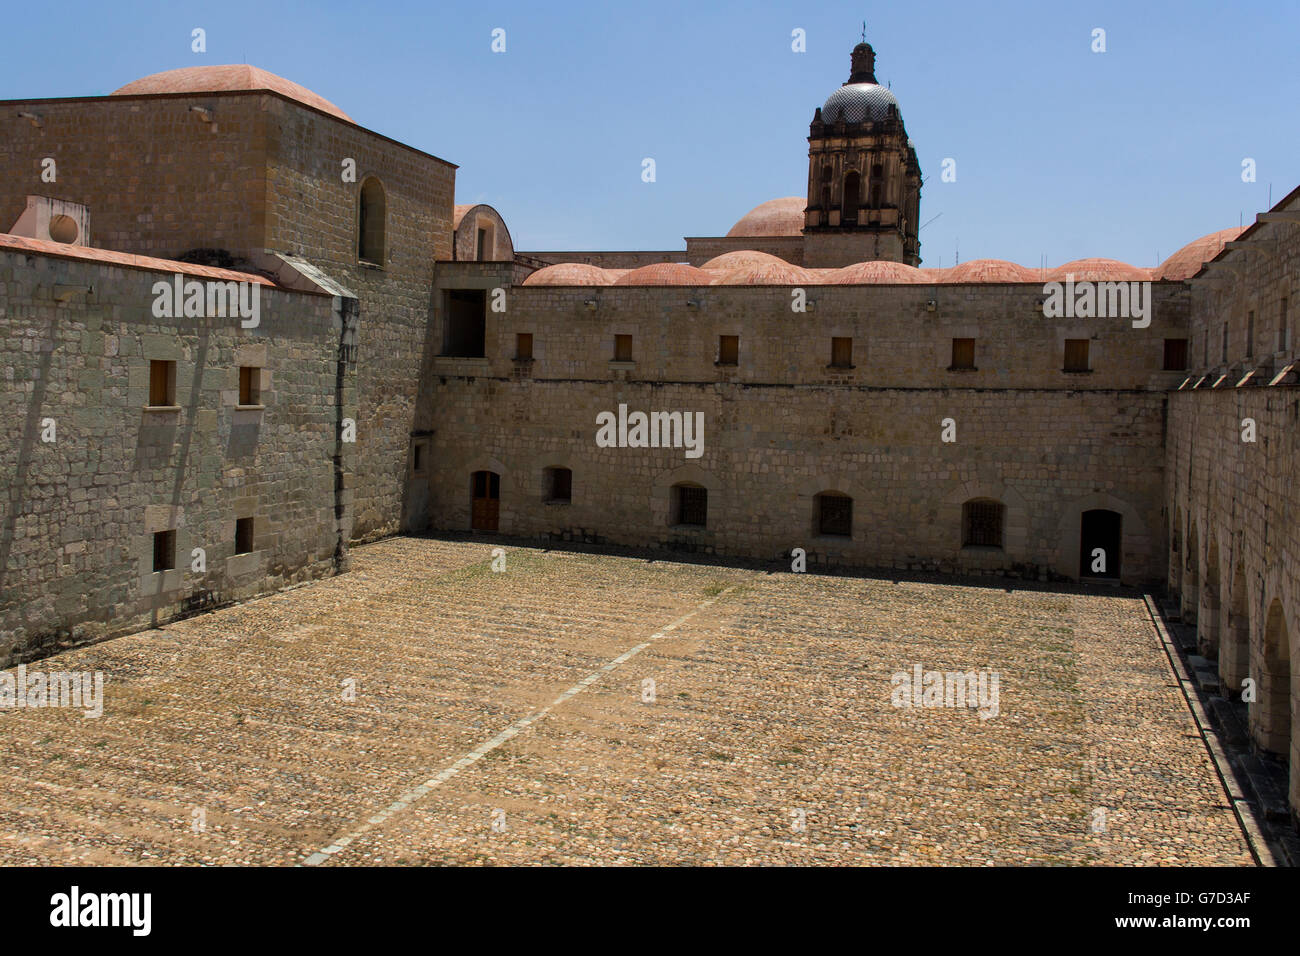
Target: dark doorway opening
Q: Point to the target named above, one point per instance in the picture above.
(485, 505)
(466, 312)
(1100, 537)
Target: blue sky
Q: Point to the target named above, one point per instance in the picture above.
(1060, 152)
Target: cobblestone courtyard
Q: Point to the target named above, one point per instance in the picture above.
(771, 706)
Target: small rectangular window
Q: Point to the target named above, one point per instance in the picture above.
(523, 346)
(162, 383)
(1225, 343)
(692, 505)
(835, 515)
(164, 550)
(559, 484)
(1282, 329)
(417, 458)
(963, 353)
(1076, 355)
(250, 392)
(842, 352)
(1175, 355)
(243, 535)
(728, 349)
(1250, 333)
(622, 348)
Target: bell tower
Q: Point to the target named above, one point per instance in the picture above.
(864, 181)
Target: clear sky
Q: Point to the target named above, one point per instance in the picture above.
(1060, 152)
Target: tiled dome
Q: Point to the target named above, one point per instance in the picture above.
(776, 217)
(666, 273)
(778, 273)
(1099, 270)
(989, 270)
(1187, 261)
(859, 102)
(877, 272)
(222, 79)
(570, 273)
(743, 257)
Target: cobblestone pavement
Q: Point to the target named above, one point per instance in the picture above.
(770, 736)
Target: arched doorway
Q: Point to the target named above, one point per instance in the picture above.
(1234, 652)
(485, 501)
(1270, 714)
(1100, 539)
(1190, 576)
(1207, 617)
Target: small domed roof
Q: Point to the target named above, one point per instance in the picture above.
(877, 272)
(1187, 261)
(666, 273)
(570, 273)
(776, 217)
(778, 273)
(743, 257)
(859, 102)
(989, 270)
(223, 79)
(1099, 270)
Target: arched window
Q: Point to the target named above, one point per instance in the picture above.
(828, 175)
(690, 505)
(371, 219)
(834, 514)
(982, 520)
(852, 198)
(877, 184)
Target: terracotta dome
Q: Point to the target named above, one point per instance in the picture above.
(776, 217)
(778, 273)
(223, 79)
(989, 270)
(1099, 270)
(570, 273)
(877, 272)
(666, 273)
(1187, 261)
(741, 258)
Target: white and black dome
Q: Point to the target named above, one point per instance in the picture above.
(860, 102)
(861, 99)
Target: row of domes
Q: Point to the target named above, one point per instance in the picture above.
(749, 267)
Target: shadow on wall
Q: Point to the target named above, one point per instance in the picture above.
(17, 483)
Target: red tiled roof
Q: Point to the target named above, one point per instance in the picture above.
(48, 247)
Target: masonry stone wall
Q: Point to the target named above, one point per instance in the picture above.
(267, 172)
(782, 426)
(80, 511)
(1232, 493)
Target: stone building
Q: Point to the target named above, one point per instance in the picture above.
(798, 385)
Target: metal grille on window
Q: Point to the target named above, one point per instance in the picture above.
(983, 524)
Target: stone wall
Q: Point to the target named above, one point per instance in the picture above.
(782, 425)
(1233, 502)
(266, 173)
(80, 511)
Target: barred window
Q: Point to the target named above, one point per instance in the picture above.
(690, 505)
(835, 514)
(981, 521)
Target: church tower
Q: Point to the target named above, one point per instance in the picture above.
(864, 182)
